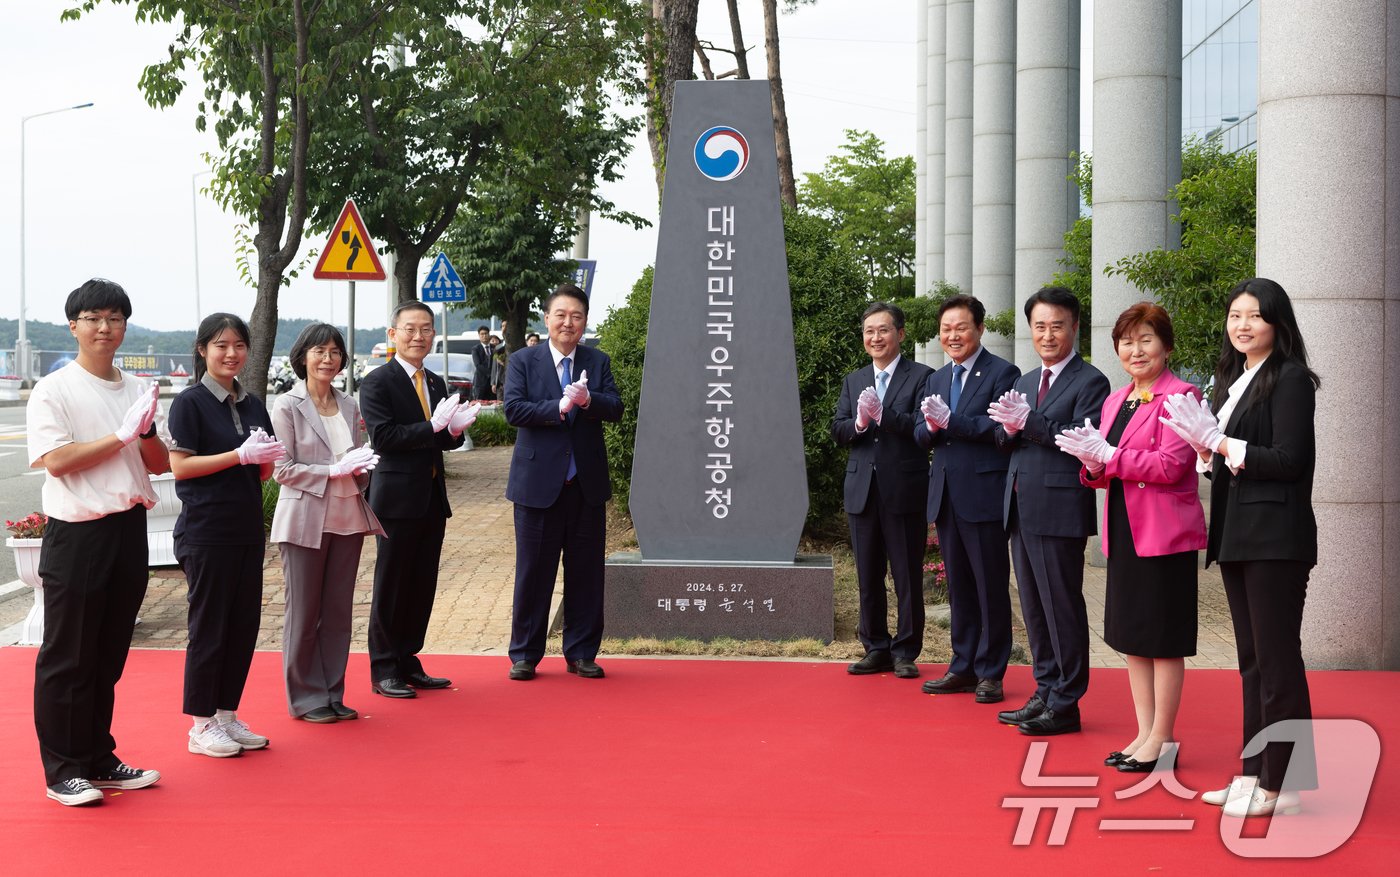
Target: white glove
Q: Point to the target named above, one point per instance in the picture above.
(465, 417)
(355, 462)
(868, 408)
(577, 392)
(1087, 444)
(442, 414)
(259, 448)
(935, 411)
(1011, 411)
(1194, 423)
(139, 417)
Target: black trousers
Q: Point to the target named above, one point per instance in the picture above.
(1050, 580)
(405, 584)
(1266, 607)
(880, 538)
(94, 575)
(978, 565)
(576, 529)
(225, 595)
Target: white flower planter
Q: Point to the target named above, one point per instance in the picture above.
(27, 563)
(9, 389)
(179, 382)
(160, 521)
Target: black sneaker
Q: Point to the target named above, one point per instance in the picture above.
(124, 776)
(71, 793)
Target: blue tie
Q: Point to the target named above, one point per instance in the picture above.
(956, 389)
(564, 380)
(880, 380)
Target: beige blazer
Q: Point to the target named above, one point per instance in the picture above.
(305, 474)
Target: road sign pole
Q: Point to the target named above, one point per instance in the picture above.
(350, 340)
(445, 344)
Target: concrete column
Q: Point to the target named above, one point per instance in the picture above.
(932, 239)
(1137, 147)
(1047, 131)
(957, 172)
(921, 112)
(994, 160)
(1329, 196)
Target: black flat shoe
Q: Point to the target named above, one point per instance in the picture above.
(1132, 765)
(1114, 759)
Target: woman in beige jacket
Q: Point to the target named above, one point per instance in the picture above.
(320, 525)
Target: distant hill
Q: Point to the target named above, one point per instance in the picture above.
(50, 336)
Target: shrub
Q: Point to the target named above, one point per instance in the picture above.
(490, 429)
(623, 337)
(270, 491)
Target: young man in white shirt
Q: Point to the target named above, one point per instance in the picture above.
(92, 429)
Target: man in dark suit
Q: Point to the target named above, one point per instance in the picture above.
(1048, 512)
(482, 358)
(411, 420)
(885, 492)
(558, 395)
(966, 482)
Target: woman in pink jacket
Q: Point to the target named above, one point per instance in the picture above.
(1153, 525)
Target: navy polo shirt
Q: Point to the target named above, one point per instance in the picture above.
(224, 508)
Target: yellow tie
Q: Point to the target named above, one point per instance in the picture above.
(422, 396)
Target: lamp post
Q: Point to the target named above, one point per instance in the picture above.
(194, 224)
(22, 341)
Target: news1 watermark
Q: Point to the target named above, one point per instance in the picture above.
(1322, 799)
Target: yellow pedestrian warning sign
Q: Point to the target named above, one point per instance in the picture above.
(349, 253)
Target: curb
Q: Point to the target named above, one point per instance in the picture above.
(12, 590)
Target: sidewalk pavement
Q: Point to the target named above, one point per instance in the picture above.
(475, 586)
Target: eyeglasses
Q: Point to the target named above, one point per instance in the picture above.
(425, 332)
(332, 353)
(110, 322)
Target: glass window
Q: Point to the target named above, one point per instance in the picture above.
(1249, 78)
(1198, 89)
(1213, 80)
(1186, 19)
(1215, 14)
(1230, 71)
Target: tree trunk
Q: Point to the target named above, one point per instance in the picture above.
(517, 322)
(666, 63)
(787, 187)
(741, 53)
(406, 261)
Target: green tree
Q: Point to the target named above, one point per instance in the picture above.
(869, 201)
(623, 336)
(1217, 212)
(1078, 260)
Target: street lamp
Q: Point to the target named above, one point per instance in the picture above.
(22, 342)
(194, 223)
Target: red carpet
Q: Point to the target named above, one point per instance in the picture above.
(674, 767)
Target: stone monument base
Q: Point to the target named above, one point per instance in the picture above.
(709, 599)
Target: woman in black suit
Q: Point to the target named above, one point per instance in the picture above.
(1258, 441)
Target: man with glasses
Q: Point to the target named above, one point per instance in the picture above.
(558, 395)
(92, 429)
(411, 420)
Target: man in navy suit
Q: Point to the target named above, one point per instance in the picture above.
(559, 394)
(966, 482)
(885, 492)
(411, 420)
(1048, 512)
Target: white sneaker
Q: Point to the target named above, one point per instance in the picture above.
(212, 740)
(241, 734)
(1238, 786)
(1255, 804)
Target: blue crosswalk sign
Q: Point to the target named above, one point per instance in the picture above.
(442, 282)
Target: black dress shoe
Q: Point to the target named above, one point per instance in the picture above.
(873, 662)
(1115, 758)
(989, 691)
(393, 687)
(1034, 707)
(1165, 760)
(1052, 722)
(905, 669)
(321, 715)
(423, 680)
(586, 669)
(951, 683)
(343, 712)
(522, 671)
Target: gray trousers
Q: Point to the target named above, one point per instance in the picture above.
(316, 626)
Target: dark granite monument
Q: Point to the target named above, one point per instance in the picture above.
(719, 482)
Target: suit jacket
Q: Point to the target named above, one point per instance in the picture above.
(1050, 500)
(305, 474)
(885, 452)
(1265, 512)
(967, 460)
(545, 442)
(410, 453)
(1158, 471)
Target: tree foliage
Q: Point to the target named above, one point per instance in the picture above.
(869, 201)
(1078, 260)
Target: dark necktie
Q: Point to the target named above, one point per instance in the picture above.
(1044, 386)
(955, 391)
(565, 379)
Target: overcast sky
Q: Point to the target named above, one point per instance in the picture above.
(109, 187)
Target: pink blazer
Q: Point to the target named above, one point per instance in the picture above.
(1158, 471)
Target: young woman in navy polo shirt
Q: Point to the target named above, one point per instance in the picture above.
(222, 453)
